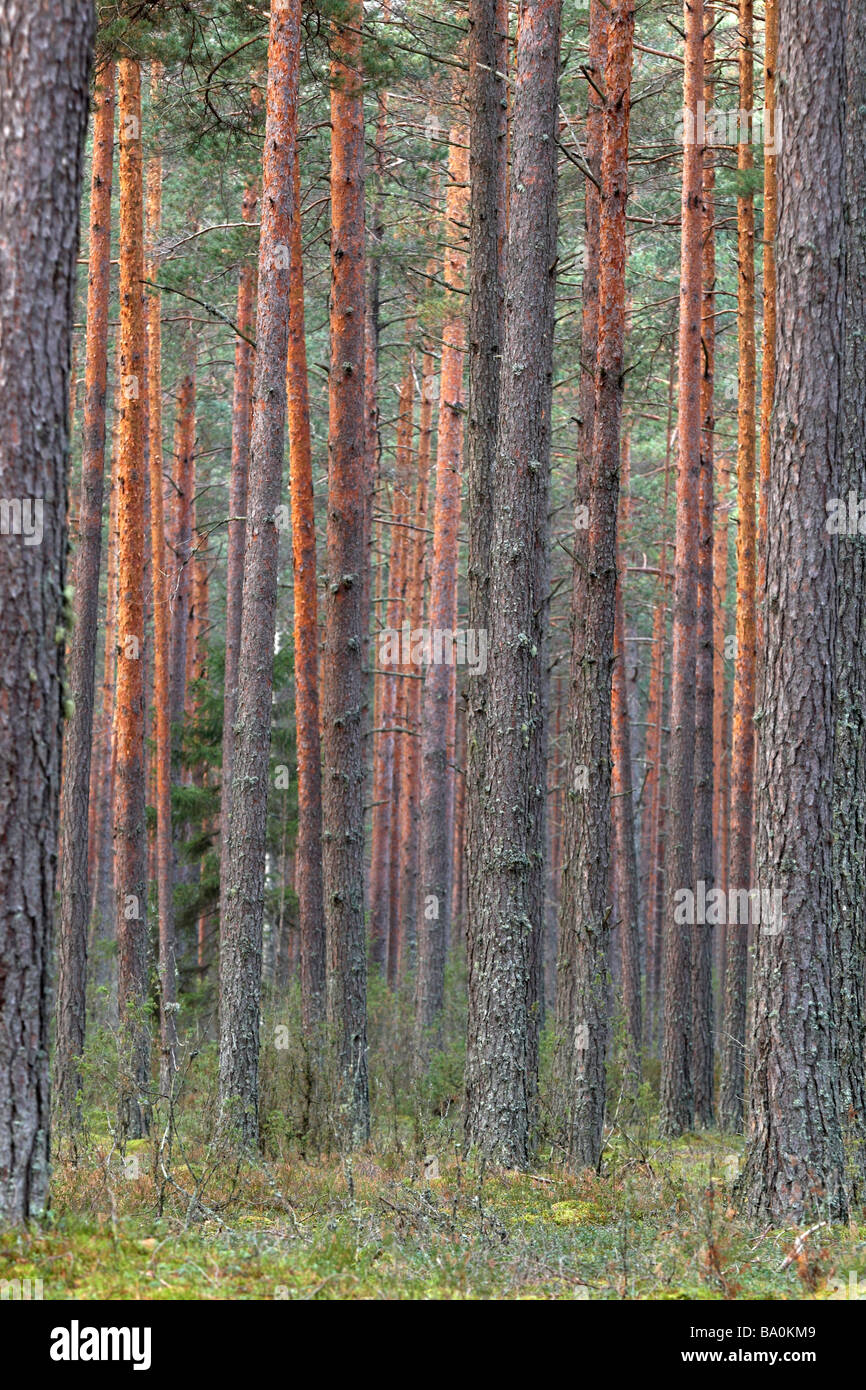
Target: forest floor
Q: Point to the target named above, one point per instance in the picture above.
(658, 1224)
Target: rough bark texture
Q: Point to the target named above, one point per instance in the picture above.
(433, 922)
(410, 788)
(241, 927)
(402, 508)
(238, 483)
(488, 149)
(583, 587)
(849, 772)
(308, 871)
(346, 620)
(651, 867)
(794, 1157)
(499, 1084)
(386, 774)
(768, 346)
(625, 854)
(130, 843)
(78, 738)
(585, 912)
(44, 68)
(161, 634)
(102, 931)
(702, 934)
(677, 1096)
(731, 1093)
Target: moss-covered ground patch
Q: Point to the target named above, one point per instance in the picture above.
(659, 1223)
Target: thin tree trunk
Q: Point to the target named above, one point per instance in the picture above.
(702, 935)
(102, 929)
(433, 923)
(487, 97)
(75, 799)
(403, 479)
(410, 790)
(625, 856)
(238, 483)
(308, 881)
(731, 1095)
(181, 540)
(581, 603)
(651, 864)
(130, 842)
(849, 773)
(386, 769)
(161, 693)
(677, 1084)
(241, 928)
(346, 618)
(768, 345)
(720, 593)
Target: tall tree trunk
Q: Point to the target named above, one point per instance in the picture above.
(794, 1158)
(410, 789)
(161, 656)
(487, 99)
(238, 483)
(75, 799)
(585, 912)
(346, 619)
(849, 773)
(625, 855)
(241, 928)
(677, 1094)
(386, 770)
(308, 881)
(102, 929)
(702, 936)
(433, 923)
(182, 539)
(650, 824)
(499, 1084)
(581, 602)
(44, 67)
(743, 737)
(130, 840)
(720, 592)
(768, 345)
(402, 507)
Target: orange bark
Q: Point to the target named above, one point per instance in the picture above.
(77, 818)
(743, 734)
(438, 687)
(308, 870)
(768, 354)
(130, 856)
(385, 773)
(409, 808)
(346, 618)
(403, 480)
